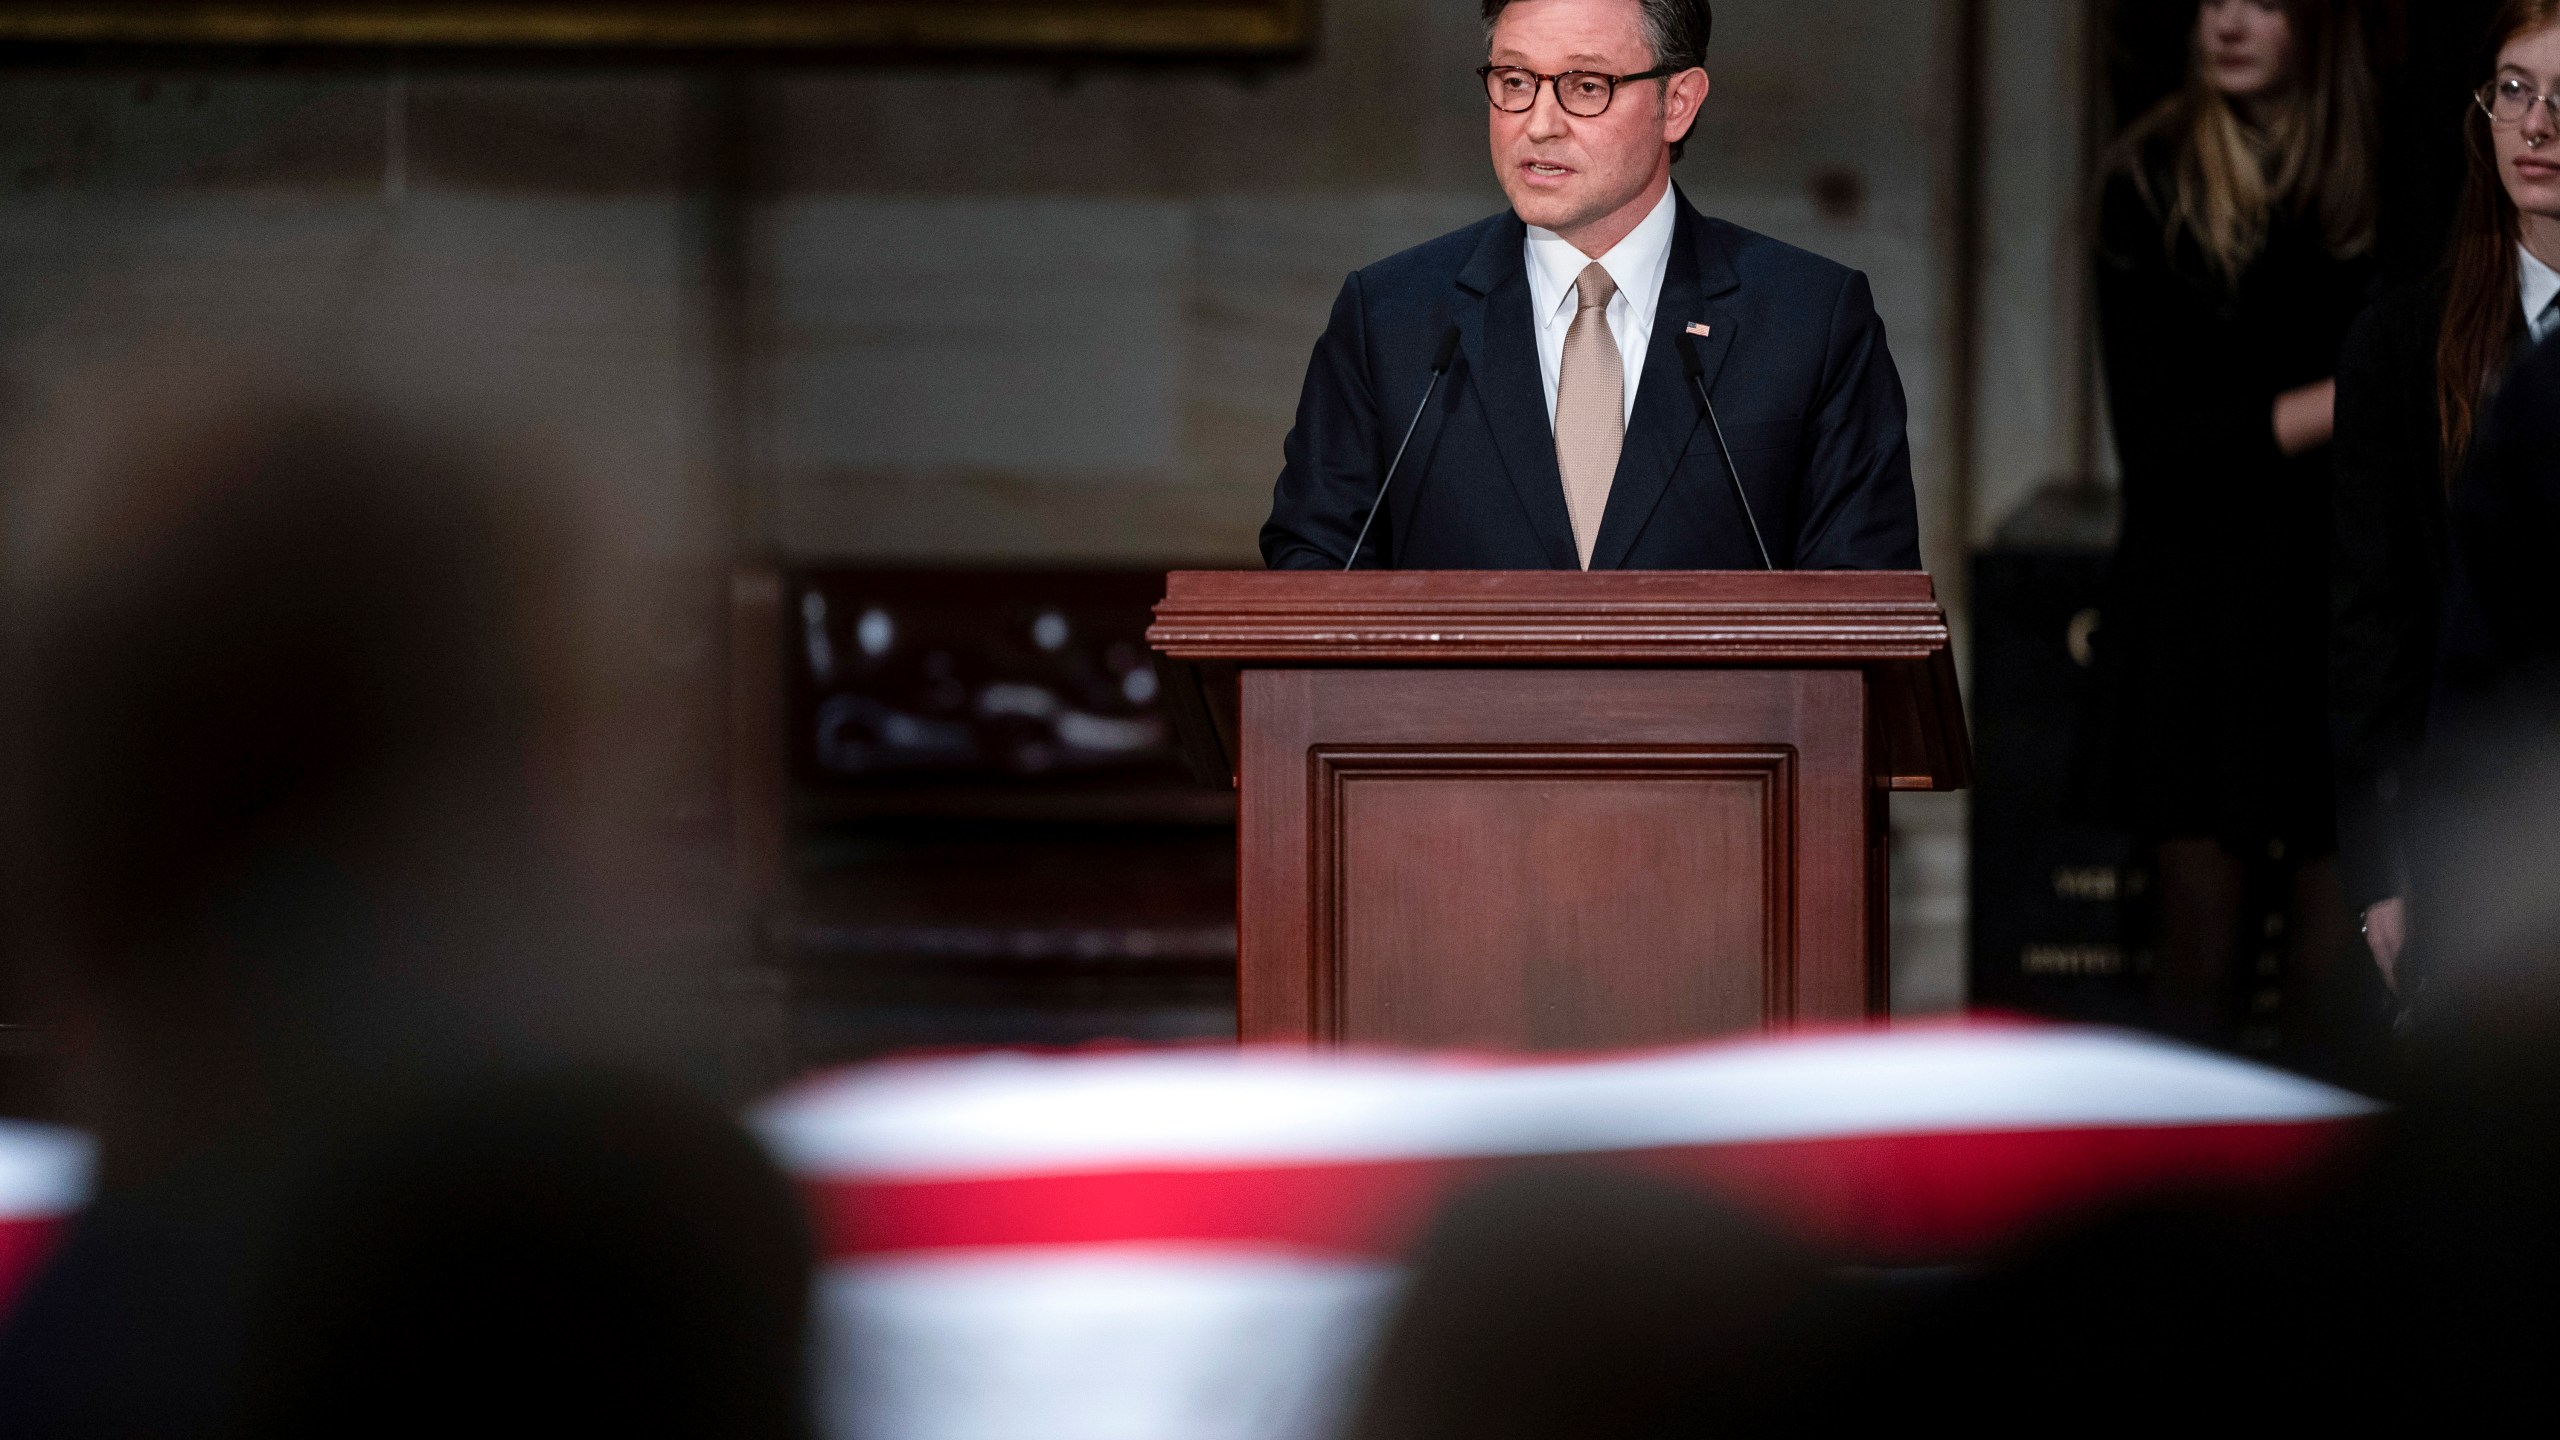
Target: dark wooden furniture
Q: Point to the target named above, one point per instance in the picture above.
(960, 816)
(2055, 889)
(1560, 810)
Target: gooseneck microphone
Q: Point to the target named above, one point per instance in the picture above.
(1440, 363)
(1698, 381)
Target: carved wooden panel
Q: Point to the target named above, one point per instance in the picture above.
(1554, 857)
(1556, 898)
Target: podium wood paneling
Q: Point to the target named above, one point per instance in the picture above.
(1560, 811)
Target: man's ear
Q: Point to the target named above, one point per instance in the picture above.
(1683, 96)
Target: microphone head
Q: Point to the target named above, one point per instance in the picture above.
(1448, 351)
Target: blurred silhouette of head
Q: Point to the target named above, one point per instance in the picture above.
(1580, 1299)
(279, 781)
(295, 819)
(2491, 849)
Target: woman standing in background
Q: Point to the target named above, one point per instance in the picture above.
(2414, 386)
(2234, 236)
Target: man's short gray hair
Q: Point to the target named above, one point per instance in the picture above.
(1677, 30)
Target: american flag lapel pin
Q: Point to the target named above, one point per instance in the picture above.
(1703, 332)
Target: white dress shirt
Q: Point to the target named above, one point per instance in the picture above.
(2541, 287)
(1637, 265)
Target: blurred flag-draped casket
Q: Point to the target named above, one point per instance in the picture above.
(1200, 1245)
(44, 1178)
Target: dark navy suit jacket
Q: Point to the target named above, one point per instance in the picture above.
(1795, 359)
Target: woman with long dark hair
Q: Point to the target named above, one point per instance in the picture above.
(2234, 240)
(2413, 389)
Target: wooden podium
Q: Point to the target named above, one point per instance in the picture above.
(1550, 810)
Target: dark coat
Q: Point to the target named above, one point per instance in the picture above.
(2484, 816)
(1795, 359)
(2506, 515)
(2215, 639)
(2388, 583)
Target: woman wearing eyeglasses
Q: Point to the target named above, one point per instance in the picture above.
(2234, 240)
(2413, 388)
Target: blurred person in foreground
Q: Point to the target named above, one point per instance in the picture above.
(2235, 234)
(2404, 1284)
(2413, 1288)
(288, 832)
(2421, 370)
(1579, 1300)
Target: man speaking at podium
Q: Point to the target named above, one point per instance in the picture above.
(1600, 378)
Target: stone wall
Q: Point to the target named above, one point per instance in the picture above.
(988, 311)
(1017, 312)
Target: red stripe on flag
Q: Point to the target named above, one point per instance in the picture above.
(1901, 1198)
(1360, 1209)
(24, 1244)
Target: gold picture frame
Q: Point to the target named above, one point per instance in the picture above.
(1159, 27)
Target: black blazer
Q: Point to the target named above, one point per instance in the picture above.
(1795, 358)
(2506, 517)
(2481, 831)
(2213, 652)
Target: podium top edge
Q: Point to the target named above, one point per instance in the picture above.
(1887, 623)
(1548, 585)
(1643, 617)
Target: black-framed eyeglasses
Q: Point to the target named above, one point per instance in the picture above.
(1583, 93)
(2509, 101)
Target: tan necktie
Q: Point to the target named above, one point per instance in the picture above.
(1591, 408)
